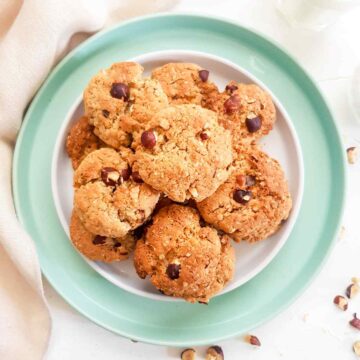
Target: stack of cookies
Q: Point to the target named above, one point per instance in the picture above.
(168, 168)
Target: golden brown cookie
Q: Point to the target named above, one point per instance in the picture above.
(81, 141)
(183, 257)
(184, 152)
(185, 83)
(97, 247)
(254, 200)
(117, 100)
(109, 199)
(246, 110)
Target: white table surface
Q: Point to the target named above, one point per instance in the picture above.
(312, 328)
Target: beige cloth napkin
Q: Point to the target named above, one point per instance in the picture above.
(34, 34)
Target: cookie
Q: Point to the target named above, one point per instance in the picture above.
(109, 199)
(117, 101)
(246, 110)
(185, 83)
(184, 152)
(97, 247)
(182, 257)
(254, 200)
(81, 141)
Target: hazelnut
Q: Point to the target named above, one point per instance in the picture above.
(231, 88)
(356, 348)
(352, 290)
(253, 340)
(355, 322)
(148, 139)
(214, 353)
(204, 136)
(204, 75)
(232, 104)
(188, 354)
(109, 176)
(352, 154)
(241, 180)
(341, 302)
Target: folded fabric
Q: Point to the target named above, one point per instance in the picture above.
(34, 35)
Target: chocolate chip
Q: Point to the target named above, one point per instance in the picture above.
(250, 180)
(202, 222)
(253, 124)
(106, 113)
(232, 104)
(126, 173)
(204, 136)
(120, 91)
(230, 88)
(173, 271)
(117, 244)
(110, 176)
(148, 139)
(204, 75)
(138, 232)
(242, 196)
(98, 240)
(136, 177)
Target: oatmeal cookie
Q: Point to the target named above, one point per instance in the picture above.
(254, 200)
(184, 152)
(117, 100)
(97, 247)
(81, 141)
(183, 257)
(185, 83)
(109, 199)
(246, 110)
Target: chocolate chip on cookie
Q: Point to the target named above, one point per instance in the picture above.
(120, 91)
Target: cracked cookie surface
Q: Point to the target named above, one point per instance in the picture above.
(254, 200)
(108, 201)
(99, 248)
(117, 100)
(81, 141)
(185, 153)
(183, 257)
(185, 83)
(246, 110)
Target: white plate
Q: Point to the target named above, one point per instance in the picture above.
(282, 144)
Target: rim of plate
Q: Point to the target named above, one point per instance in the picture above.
(154, 55)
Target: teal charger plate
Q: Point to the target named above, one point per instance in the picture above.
(178, 323)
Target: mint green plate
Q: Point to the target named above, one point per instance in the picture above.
(178, 323)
